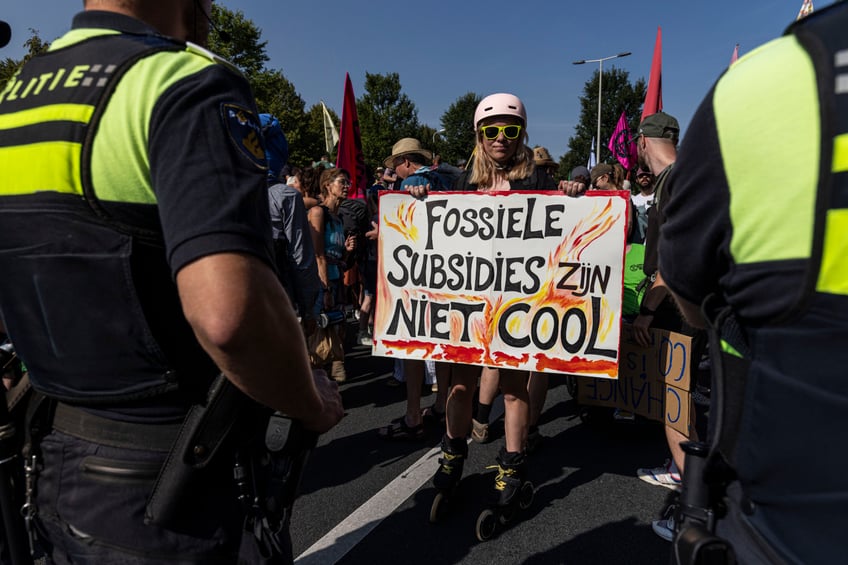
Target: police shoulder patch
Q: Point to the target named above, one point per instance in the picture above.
(245, 132)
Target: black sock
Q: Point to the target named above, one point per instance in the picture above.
(483, 412)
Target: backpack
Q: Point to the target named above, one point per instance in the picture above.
(353, 213)
(449, 175)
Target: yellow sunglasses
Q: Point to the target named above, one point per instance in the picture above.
(492, 132)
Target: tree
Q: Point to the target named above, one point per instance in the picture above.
(9, 66)
(458, 121)
(274, 93)
(242, 47)
(618, 94)
(385, 116)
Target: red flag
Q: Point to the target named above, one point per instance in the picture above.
(653, 99)
(622, 145)
(735, 55)
(350, 156)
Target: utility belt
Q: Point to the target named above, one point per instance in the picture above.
(128, 435)
(228, 436)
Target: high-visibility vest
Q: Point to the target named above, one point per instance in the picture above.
(87, 297)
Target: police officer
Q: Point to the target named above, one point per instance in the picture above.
(756, 231)
(135, 247)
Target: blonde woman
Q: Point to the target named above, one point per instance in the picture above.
(502, 161)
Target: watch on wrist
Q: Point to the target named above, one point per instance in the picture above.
(645, 311)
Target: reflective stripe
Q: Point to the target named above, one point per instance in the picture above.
(40, 167)
(119, 158)
(840, 153)
(833, 275)
(57, 112)
(729, 349)
(778, 190)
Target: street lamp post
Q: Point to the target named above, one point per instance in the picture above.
(600, 82)
(435, 133)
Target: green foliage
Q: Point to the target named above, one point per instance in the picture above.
(618, 94)
(34, 45)
(244, 48)
(458, 122)
(385, 116)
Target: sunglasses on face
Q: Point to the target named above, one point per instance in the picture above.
(343, 182)
(492, 132)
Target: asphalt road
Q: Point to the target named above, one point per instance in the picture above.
(367, 500)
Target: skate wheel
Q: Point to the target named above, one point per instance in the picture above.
(525, 496)
(507, 513)
(487, 523)
(437, 510)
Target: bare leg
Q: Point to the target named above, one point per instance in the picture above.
(461, 399)
(489, 385)
(443, 379)
(675, 438)
(516, 408)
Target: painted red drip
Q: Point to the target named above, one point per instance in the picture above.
(462, 354)
(576, 365)
(500, 358)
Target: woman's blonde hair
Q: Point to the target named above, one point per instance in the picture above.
(484, 168)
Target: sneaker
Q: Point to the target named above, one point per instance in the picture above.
(337, 373)
(620, 415)
(365, 338)
(479, 431)
(664, 528)
(661, 476)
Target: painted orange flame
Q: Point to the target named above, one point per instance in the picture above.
(483, 328)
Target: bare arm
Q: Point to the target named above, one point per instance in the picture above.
(245, 322)
(652, 300)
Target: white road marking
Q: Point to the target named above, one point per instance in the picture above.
(337, 542)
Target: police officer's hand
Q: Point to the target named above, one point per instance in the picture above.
(641, 325)
(419, 191)
(572, 187)
(332, 410)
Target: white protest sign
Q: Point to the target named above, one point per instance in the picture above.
(522, 280)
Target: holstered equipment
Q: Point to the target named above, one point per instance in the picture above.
(226, 416)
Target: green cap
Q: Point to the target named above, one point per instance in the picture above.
(659, 125)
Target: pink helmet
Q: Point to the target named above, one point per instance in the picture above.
(500, 104)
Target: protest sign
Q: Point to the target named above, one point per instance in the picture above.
(518, 279)
(654, 382)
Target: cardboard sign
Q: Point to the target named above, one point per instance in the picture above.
(517, 279)
(654, 382)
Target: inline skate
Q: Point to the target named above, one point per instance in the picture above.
(511, 494)
(447, 477)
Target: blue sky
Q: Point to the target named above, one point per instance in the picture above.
(453, 47)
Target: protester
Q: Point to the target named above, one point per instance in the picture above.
(160, 280)
(657, 148)
(644, 199)
(542, 159)
(332, 250)
(502, 162)
(293, 250)
(410, 161)
(776, 266)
